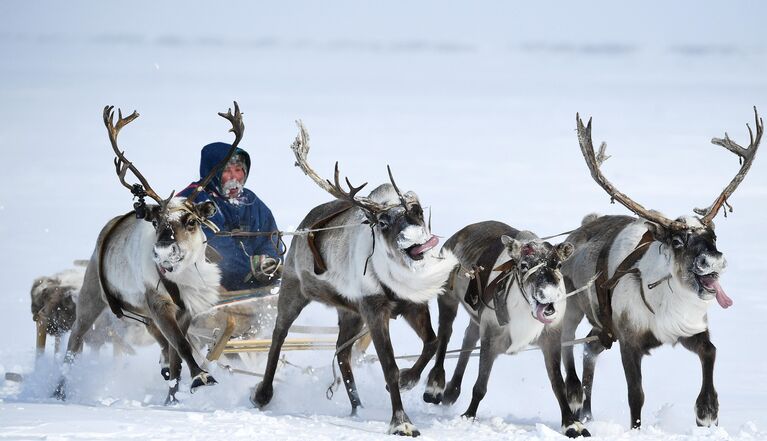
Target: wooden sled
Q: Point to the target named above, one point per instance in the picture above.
(242, 320)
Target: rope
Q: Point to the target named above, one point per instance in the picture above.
(372, 358)
(557, 235)
(301, 232)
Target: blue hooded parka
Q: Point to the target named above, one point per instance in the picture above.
(251, 214)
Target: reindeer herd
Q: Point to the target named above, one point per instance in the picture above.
(642, 281)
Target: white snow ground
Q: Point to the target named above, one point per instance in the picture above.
(473, 107)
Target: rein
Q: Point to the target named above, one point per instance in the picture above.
(508, 270)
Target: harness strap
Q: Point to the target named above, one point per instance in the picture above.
(172, 288)
(483, 267)
(604, 286)
(312, 237)
(500, 296)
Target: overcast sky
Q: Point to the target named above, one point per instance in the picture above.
(641, 22)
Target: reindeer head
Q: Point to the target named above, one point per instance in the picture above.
(179, 239)
(537, 271)
(696, 261)
(400, 228)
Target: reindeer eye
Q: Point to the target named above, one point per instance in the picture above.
(559, 265)
(383, 222)
(677, 242)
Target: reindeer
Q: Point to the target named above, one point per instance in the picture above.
(375, 260)
(657, 277)
(517, 297)
(54, 300)
(151, 263)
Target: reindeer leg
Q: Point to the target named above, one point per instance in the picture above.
(631, 356)
(488, 352)
(453, 388)
(154, 331)
(174, 373)
(289, 305)
(164, 313)
(571, 320)
(550, 342)
(418, 317)
(349, 325)
(591, 351)
(707, 404)
(435, 383)
(174, 361)
(376, 313)
(89, 307)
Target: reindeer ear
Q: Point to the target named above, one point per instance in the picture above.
(206, 209)
(659, 232)
(565, 250)
(512, 245)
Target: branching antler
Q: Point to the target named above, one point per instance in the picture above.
(594, 161)
(402, 199)
(122, 165)
(238, 128)
(301, 147)
(746, 158)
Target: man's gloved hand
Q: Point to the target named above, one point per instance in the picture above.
(265, 268)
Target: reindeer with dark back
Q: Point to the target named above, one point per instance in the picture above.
(657, 277)
(515, 296)
(150, 265)
(375, 260)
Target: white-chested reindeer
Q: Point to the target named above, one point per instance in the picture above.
(657, 279)
(516, 297)
(151, 263)
(376, 260)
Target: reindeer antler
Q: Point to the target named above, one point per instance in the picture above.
(746, 158)
(402, 199)
(238, 128)
(301, 147)
(122, 165)
(594, 161)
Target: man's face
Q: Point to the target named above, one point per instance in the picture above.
(233, 172)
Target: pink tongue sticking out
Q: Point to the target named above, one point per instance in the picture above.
(540, 316)
(420, 249)
(713, 285)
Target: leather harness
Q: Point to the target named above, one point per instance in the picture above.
(477, 296)
(604, 286)
(312, 237)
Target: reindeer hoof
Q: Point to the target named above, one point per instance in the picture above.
(404, 429)
(433, 393)
(707, 410)
(451, 394)
(171, 400)
(202, 379)
(60, 392)
(262, 395)
(575, 430)
(408, 378)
